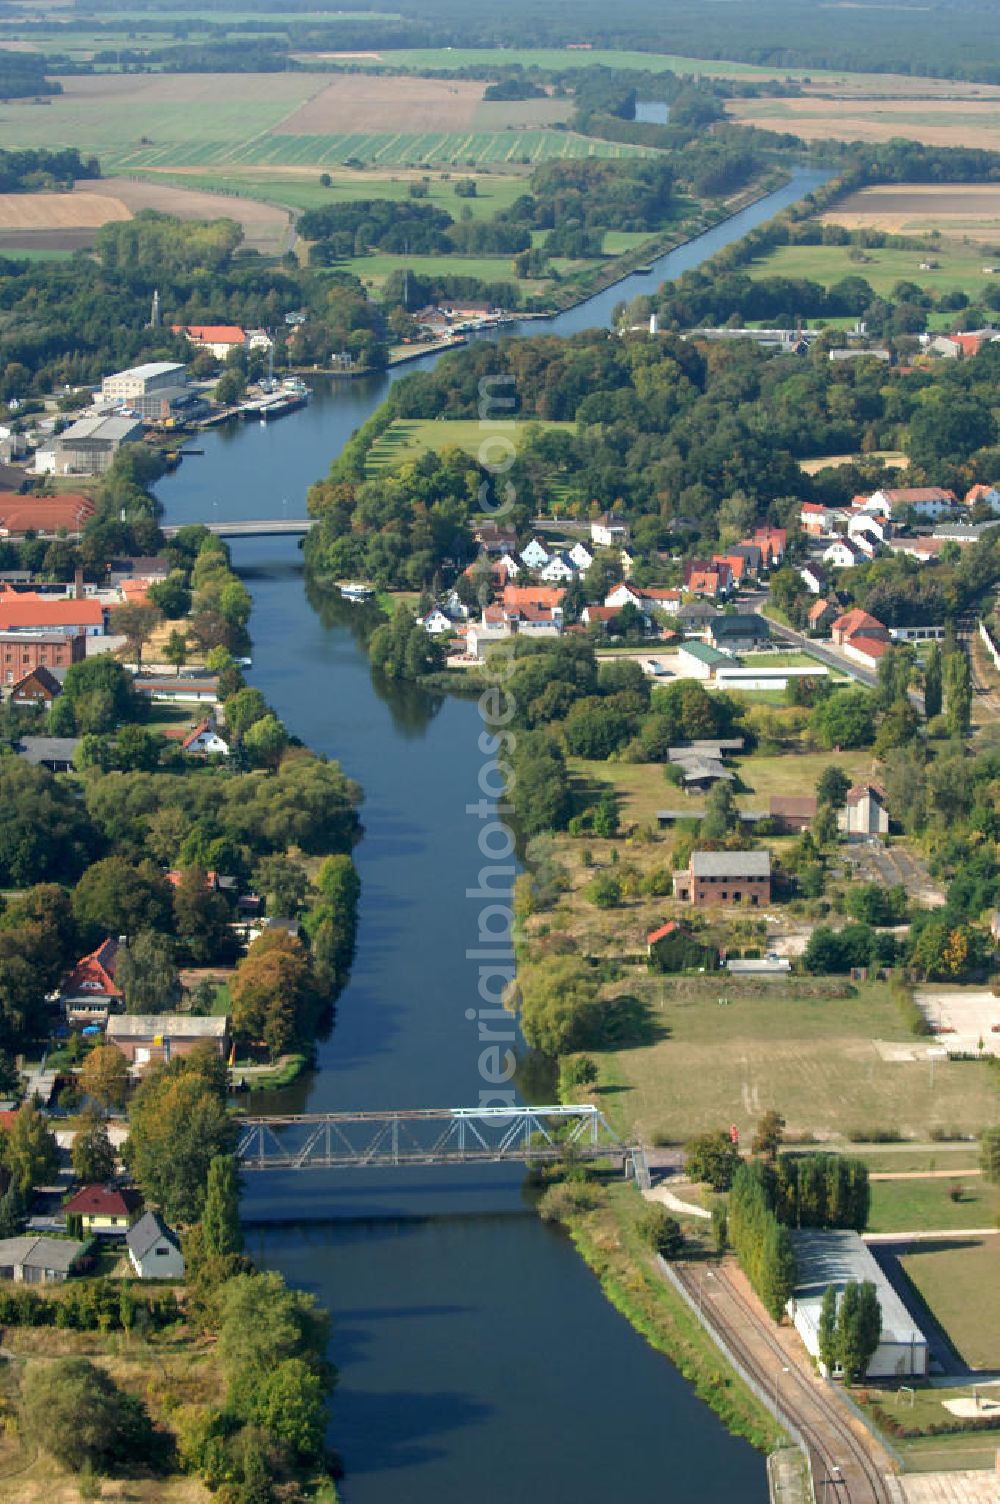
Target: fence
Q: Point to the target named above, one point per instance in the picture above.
(762, 1392)
(990, 645)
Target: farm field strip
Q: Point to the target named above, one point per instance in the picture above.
(960, 122)
(959, 268)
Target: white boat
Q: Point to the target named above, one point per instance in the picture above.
(357, 592)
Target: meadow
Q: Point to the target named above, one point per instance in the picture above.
(915, 1205)
(407, 439)
(959, 268)
(957, 1280)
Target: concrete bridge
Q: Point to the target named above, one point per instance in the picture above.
(432, 1136)
(265, 527)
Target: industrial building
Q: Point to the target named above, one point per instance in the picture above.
(835, 1257)
(88, 446)
(149, 390)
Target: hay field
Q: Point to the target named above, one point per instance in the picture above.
(59, 211)
(935, 122)
(355, 102)
(968, 210)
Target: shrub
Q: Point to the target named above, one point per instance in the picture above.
(662, 1232)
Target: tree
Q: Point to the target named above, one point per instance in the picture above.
(220, 1219)
(579, 1071)
(171, 596)
(770, 1132)
(933, 693)
(828, 1329)
(559, 1006)
(869, 1321)
(273, 993)
(720, 1226)
(175, 650)
(146, 973)
(713, 1158)
(660, 1231)
(201, 915)
(265, 741)
(721, 816)
(136, 623)
(242, 709)
(73, 1410)
(115, 897)
(282, 884)
(289, 1402)
(177, 1125)
(104, 1076)
(30, 1151)
(845, 718)
(989, 1154)
(92, 1155)
(859, 1327)
(957, 694)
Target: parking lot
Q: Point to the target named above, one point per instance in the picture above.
(964, 1018)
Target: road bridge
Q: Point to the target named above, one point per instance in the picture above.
(263, 527)
(431, 1136)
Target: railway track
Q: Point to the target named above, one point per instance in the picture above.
(842, 1467)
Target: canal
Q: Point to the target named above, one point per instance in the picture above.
(478, 1355)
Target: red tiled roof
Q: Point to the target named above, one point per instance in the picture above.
(94, 974)
(819, 609)
(43, 514)
(193, 736)
(669, 928)
(602, 613)
(859, 791)
(872, 647)
(910, 495)
(212, 334)
(15, 612)
(103, 1201)
(515, 596)
(855, 621)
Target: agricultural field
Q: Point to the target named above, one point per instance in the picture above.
(299, 188)
(936, 122)
(960, 267)
(208, 120)
(892, 459)
(957, 1281)
(408, 439)
(967, 211)
(728, 1049)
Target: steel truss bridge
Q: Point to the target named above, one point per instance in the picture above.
(432, 1136)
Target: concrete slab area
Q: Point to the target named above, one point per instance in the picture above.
(965, 1019)
(951, 1488)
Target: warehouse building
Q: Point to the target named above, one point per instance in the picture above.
(149, 390)
(835, 1258)
(88, 446)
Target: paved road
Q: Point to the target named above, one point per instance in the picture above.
(847, 1464)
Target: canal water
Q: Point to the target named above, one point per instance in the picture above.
(478, 1355)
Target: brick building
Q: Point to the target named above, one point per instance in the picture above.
(20, 652)
(729, 877)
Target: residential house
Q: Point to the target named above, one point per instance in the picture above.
(986, 496)
(743, 632)
(854, 621)
(624, 594)
(494, 537)
(923, 549)
(559, 570)
(737, 564)
(547, 597)
(869, 529)
(582, 557)
(661, 598)
(39, 686)
(926, 501)
(813, 577)
(103, 1210)
(694, 616)
(868, 651)
(608, 531)
(147, 567)
(154, 1249)
(148, 1038)
(772, 542)
(818, 521)
(791, 814)
(20, 652)
(435, 623)
(865, 811)
(204, 741)
(53, 752)
(535, 555)
(821, 613)
(845, 553)
(221, 339)
(89, 993)
(730, 877)
(511, 565)
(32, 1260)
(599, 616)
(752, 553)
(709, 580)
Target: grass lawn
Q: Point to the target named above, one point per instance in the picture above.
(378, 267)
(960, 267)
(407, 439)
(923, 1205)
(923, 1408)
(642, 788)
(812, 1057)
(303, 190)
(958, 1283)
(961, 1158)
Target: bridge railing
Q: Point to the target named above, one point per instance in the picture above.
(427, 1136)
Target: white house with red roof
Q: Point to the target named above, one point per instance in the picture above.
(927, 501)
(219, 338)
(204, 740)
(89, 993)
(845, 553)
(981, 495)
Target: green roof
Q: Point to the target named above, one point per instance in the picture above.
(705, 653)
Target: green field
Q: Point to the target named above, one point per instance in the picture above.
(960, 266)
(298, 190)
(923, 1408)
(772, 1045)
(915, 1205)
(958, 1282)
(407, 440)
(388, 149)
(419, 59)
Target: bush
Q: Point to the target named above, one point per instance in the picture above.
(662, 1232)
(74, 1411)
(566, 1199)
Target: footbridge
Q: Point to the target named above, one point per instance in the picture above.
(263, 527)
(432, 1136)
